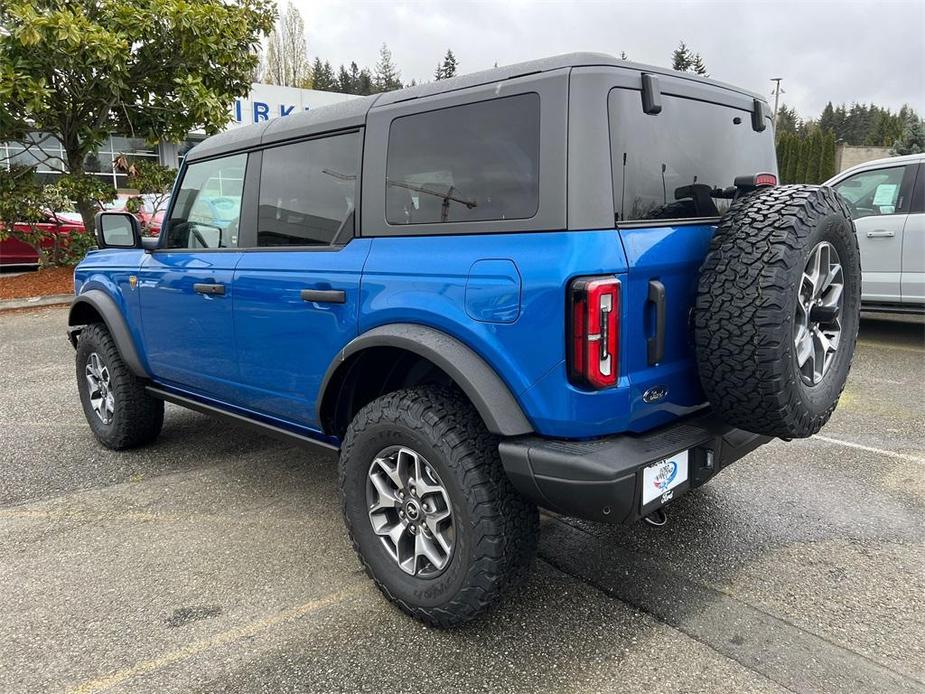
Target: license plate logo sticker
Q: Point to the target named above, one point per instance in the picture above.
(661, 477)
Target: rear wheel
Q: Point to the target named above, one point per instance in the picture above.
(777, 312)
(119, 411)
(429, 509)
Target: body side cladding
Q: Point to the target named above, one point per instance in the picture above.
(489, 395)
(97, 302)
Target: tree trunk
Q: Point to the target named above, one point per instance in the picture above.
(75, 165)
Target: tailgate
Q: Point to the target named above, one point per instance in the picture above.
(660, 365)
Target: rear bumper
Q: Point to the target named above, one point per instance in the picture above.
(601, 480)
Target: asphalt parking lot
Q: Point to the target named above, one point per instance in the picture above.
(215, 560)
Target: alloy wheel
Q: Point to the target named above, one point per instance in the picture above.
(100, 388)
(817, 325)
(410, 511)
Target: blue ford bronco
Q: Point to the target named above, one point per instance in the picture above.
(572, 283)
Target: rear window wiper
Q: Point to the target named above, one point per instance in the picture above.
(447, 196)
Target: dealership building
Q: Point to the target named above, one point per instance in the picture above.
(264, 102)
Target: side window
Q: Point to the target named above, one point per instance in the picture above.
(874, 192)
(467, 163)
(208, 204)
(308, 192)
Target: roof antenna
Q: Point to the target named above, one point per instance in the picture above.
(664, 187)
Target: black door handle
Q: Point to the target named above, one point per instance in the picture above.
(655, 345)
(326, 296)
(211, 289)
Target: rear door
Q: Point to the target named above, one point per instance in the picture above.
(186, 286)
(665, 166)
(297, 285)
(879, 202)
(913, 262)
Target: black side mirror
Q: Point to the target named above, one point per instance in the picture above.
(117, 230)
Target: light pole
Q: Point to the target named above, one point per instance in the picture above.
(777, 92)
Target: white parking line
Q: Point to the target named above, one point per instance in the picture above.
(871, 449)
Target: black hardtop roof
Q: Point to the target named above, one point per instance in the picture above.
(352, 112)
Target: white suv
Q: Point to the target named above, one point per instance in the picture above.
(887, 201)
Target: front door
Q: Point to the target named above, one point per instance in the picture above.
(879, 201)
(187, 286)
(297, 289)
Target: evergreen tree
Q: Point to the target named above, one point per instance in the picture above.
(685, 60)
(794, 160)
(449, 64)
(814, 156)
(387, 78)
(698, 67)
(827, 163)
(323, 77)
(790, 172)
(354, 78)
(681, 58)
(802, 160)
(859, 124)
(343, 81)
(827, 119)
(787, 120)
(782, 148)
(912, 140)
(364, 83)
(317, 69)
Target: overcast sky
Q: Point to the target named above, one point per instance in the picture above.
(844, 51)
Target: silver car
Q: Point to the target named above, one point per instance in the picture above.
(887, 201)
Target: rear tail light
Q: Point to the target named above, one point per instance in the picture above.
(594, 331)
(752, 181)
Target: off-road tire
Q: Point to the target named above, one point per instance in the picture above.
(746, 307)
(137, 418)
(497, 529)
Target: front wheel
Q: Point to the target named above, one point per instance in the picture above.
(119, 411)
(435, 521)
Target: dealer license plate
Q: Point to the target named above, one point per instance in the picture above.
(660, 478)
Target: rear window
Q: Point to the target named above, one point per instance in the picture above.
(468, 163)
(665, 166)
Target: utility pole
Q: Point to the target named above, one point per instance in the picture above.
(777, 92)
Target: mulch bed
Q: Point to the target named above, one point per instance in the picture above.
(56, 280)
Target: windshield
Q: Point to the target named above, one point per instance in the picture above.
(666, 166)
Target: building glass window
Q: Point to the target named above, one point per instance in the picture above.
(47, 156)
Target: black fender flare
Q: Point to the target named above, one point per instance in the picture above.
(491, 397)
(106, 307)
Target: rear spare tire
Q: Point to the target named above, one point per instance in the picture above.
(777, 311)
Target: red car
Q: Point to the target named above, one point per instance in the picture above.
(151, 213)
(15, 252)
